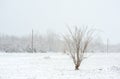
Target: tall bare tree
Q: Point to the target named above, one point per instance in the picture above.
(77, 42)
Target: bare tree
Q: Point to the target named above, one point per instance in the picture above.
(77, 42)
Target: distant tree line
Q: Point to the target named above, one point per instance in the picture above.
(41, 43)
(51, 42)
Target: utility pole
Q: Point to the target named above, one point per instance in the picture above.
(107, 45)
(32, 42)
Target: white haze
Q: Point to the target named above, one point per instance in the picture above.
(18, 17)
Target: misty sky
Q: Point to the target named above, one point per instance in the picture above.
(19, 17)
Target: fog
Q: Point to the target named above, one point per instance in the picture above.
(19, 17)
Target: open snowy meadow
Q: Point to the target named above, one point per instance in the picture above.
(58, 66)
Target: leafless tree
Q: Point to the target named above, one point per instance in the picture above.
(77, 42)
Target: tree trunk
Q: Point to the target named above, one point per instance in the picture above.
(77, 67)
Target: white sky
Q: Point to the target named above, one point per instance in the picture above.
(18, 17)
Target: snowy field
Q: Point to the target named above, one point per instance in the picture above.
(58, 66)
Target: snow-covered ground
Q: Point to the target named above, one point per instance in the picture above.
(58, 66)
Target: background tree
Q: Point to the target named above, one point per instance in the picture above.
(77, 42)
